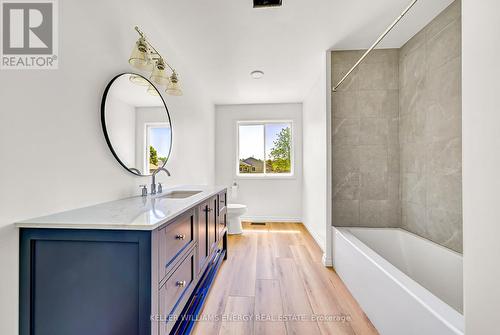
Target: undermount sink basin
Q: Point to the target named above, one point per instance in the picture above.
(180, 194)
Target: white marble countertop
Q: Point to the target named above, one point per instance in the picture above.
(135, 213)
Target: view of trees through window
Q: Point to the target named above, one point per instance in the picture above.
(265, 148)
(159, 146)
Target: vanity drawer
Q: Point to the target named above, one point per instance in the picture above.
(177, 289)
(174, 238)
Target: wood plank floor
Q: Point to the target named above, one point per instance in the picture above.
(273, 282)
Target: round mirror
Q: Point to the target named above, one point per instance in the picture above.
(136, 124)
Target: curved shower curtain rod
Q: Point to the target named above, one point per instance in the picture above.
(374, 45)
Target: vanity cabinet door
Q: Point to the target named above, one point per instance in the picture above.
(212, 214)
(222, 201)
(222, 213)
(203, 246)
(85, 282)
(222, 222)
(207, 230)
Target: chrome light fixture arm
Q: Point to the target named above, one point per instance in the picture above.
(155, 52)
(146, 57)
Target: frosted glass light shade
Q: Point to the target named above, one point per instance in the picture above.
(159, 76)
(153, 91)
(138, 80)
(173, 87)
(140, 56)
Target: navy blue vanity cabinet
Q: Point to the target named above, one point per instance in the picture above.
(124, 282)
(82, 282)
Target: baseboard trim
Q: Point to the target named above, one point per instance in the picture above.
(326, 260)
(318, 241)
(270, 219)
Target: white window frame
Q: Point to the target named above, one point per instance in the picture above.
(147, 126)
(265, 175)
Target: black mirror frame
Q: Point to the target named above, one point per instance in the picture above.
(105, 131)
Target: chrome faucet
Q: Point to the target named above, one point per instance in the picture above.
(153, 182)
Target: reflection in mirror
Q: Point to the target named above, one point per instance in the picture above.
(136, 124)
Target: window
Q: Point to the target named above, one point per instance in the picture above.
(265, 148)
(157, 145)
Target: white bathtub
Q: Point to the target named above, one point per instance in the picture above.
(404, 283)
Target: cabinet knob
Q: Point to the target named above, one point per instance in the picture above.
(180, 236)
(180, 283)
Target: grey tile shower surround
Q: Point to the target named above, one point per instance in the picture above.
(396, 131)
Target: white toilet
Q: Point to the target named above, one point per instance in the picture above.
(234, 213)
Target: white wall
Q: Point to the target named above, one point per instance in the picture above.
(314, 186)
(122, 116)
(53, 155)
(267, 199)
(481, 164)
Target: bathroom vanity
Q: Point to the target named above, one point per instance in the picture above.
(141, 265)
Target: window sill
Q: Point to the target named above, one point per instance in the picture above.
(265, 177)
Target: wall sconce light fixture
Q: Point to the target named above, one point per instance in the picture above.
(145, 57)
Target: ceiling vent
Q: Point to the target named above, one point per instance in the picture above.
(266, 3)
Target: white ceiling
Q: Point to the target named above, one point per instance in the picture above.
(222, 41)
